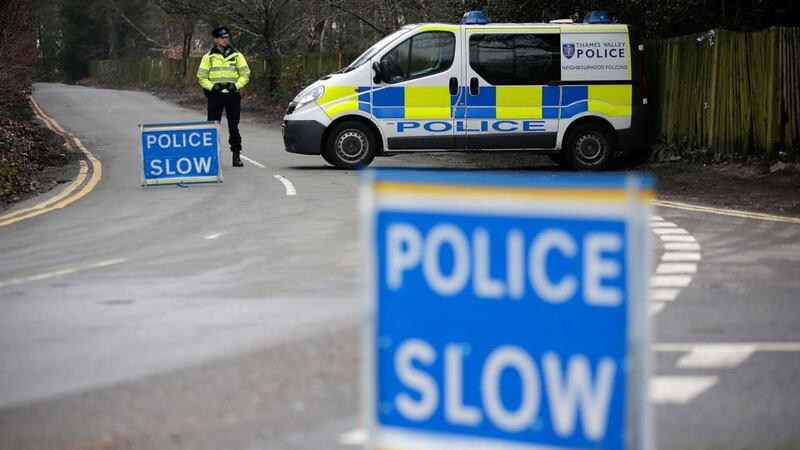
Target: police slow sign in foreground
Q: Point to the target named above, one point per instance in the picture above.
(510, 311)
(180, 153)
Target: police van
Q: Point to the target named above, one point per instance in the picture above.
(572, 90)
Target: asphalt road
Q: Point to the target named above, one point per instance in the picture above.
(228, 316)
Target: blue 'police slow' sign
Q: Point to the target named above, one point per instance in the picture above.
(180, 153)
(509, 311)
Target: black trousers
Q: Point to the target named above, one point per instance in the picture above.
(232, 104)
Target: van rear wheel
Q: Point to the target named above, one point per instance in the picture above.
(589, 148)
(350, 145)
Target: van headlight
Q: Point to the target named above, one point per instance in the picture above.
(308, 95)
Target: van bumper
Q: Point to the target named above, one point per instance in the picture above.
(303, 136)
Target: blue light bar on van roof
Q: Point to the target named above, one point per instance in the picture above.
(474, 18)
(597, 17)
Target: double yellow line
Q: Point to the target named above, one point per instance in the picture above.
(78, 188)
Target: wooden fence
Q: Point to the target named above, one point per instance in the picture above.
(735, 94)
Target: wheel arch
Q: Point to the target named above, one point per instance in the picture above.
(596, 120)
(355, 118)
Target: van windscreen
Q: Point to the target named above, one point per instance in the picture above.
(370, 52)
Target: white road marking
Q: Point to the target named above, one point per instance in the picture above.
(716, 356)
(670, 277)
(678, 238)
(673, 268)
(670, 281)
(215, 235)
(354, 437)
(720, 355)
(60, 272)
(661, 224)
(682, 347)
(287, 184)
(253, 162)
(661, 231)
(681, 256)
(664, 295)
(656, 308)
(290, 190)
(679, 389)
(682, 246)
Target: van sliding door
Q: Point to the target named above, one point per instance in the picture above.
(513, 90)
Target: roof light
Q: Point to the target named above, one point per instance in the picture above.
(474, 18)
(597, 17)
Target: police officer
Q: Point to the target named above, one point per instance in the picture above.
(222, 73)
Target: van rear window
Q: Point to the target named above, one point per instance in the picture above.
(516, 59)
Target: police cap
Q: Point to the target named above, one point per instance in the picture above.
(221, 32)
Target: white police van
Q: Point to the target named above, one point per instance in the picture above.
(572, 90)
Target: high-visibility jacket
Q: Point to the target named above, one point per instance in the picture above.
(228, 67)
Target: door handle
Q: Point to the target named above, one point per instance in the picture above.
(453, 86)
(473, 86)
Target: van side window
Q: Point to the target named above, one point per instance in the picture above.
(516, 59)
(422, 55)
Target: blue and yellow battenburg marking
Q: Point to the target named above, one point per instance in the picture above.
(594, 188)
(179, 125)
(193, 180)
(491, 102)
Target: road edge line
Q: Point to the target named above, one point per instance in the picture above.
(253, 162)
(67, 196)
(60, 272)
(726, 212)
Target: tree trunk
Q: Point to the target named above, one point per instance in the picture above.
(315, 40)
(274, 69)
(273, 61)
(112, 36)
(321, 48)
(188, 35)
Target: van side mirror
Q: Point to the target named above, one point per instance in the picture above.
(385, 72)
(379, 73)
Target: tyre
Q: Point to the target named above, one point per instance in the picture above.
(350, 145)
(326, 158)
(589, 147)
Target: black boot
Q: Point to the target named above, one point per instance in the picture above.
(237, 161)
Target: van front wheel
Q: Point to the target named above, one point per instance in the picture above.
(589, 148)
(350, 145)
